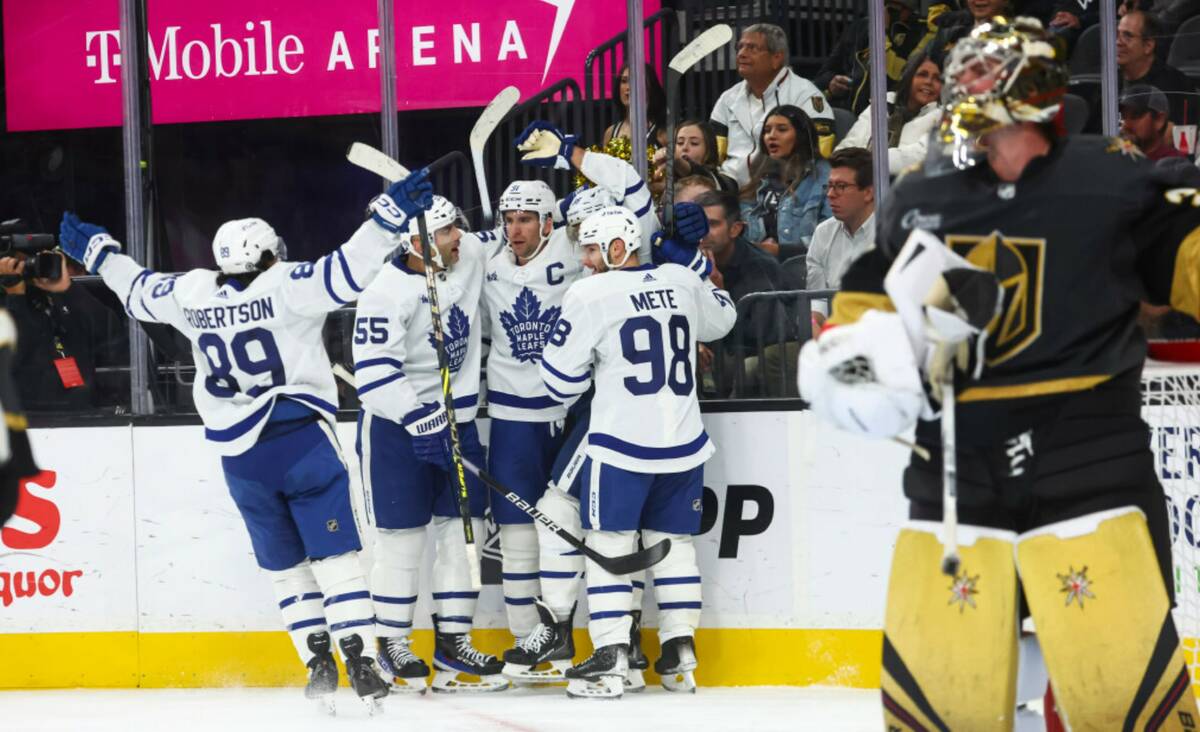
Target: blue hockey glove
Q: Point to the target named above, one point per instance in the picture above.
(86, 243)
(430, 429)
(545, 146)
(691, 223)
(664, 250)
(403, 200)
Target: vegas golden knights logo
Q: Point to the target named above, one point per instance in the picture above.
(1020, 265)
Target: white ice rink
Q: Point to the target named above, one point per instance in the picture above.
(761, 709)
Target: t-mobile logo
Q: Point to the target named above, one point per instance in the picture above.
(108, 55)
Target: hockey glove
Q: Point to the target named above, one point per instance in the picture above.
(430, 430)
(691, 223)
(664, 250)
(545, 146)
(86, 243)
(403, 200)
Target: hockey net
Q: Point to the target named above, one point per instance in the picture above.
(1171, 406)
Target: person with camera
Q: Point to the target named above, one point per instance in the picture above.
(58, 335)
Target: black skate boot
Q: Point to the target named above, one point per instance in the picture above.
(365, 680)
(322, 673)
(551, 642)
(405, 668)
(638, 662)
(453, 655)
(601, 676)
(676, 664)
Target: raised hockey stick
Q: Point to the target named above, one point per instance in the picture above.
(492, 116)
(377, 161)
(701, 46)
(627, 564)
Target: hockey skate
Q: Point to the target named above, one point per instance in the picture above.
(601, 676)
(454, 656)
(634, 681)
(676, 664)
(364, 679)
(551, 642)
(322, 673)
(405, 668)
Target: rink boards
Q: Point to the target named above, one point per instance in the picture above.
(129, 559)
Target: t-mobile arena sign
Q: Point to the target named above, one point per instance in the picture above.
(249, 59)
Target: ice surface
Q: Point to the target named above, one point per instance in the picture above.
(760, 709)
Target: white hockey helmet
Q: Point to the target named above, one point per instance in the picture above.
(441, 214)
(585, 203)
(239, 245)
(606, 226)
(530, 195)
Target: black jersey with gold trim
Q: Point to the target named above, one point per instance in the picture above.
(1087, 232)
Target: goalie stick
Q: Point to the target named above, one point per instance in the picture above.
(701, 46)
(626, 564)
(492, 116)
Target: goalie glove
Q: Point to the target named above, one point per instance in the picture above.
(862, 377)
(545, 146)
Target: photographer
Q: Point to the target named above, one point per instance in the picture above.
(58, 336)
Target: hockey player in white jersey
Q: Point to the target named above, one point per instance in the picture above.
(632, 330)
(405, 453)
(267, 397)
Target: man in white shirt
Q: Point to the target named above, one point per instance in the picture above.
(767, 82)
(838, 241)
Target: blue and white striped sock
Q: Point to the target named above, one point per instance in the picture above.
(348, 607)
(519, 557)
(676, 587)
(395, 578)
(299, 600)
(453, 599)
(610, 596)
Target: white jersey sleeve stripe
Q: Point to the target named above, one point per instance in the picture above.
(327, 271)
(133, 288)
(641, 452)
(380, 361)
(367, 388)
(563, 377)
(644, 209)
(635, 188)
(563, 398)
(512, 400)
(346, 270)
(466, 402)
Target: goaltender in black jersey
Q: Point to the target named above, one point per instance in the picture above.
(1060, 511)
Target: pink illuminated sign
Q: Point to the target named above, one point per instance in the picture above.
(248, 59)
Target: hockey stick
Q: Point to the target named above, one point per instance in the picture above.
(701, 46)
(949, 480)
(492, 116)
(627, 564)
(379, 163)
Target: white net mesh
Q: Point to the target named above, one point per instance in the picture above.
(1171, 406)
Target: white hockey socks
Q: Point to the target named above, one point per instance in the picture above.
(676, 586)
(347, 602)
(610, 596)
(394, 579)
(453, 599)
(637, 580)
(519, 562)
(561, 564)
(299, 600)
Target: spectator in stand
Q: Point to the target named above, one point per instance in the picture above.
(767, 83)
(1070, 20)
(656, 111)
(915, 110)
(692, 187)
(785, 198)
(695, 154)
(840, 240)
(845, 75)
(1137, 39)
(1144, 122)
(957, 24)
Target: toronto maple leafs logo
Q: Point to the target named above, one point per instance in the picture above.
(528, 326)
(456, 334)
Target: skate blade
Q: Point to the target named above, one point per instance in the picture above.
(634, 681)
(373, 705)
(682, 681)
(403, 686)
(455, 682)
(526, 676)
(604, 687)
(325, 704)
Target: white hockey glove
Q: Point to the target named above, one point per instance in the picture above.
(862, 377)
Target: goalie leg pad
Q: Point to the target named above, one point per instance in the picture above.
(395, 579)
(519, 563)
(561, 564)
(950, 645)
(347, 602)
(1104, 623)
(299, 600)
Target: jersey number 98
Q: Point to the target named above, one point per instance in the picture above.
(253, 352)
(675, 373)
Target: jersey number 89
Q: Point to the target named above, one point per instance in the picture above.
(253, 352)
(676, 373)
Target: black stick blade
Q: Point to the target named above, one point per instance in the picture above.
(631, 563)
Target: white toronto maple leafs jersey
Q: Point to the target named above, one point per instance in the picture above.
(634, 331)
(627, 188)
(522, 303)
(395, 354)
(254, 343)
